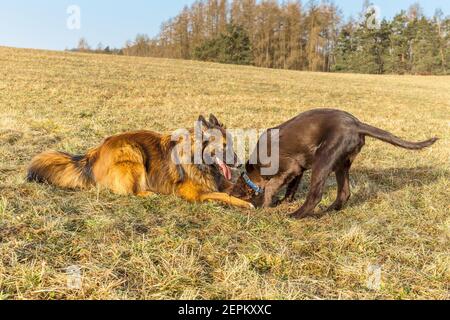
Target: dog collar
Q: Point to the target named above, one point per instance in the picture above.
(251, 184)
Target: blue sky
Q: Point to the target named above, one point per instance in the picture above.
(42, 23)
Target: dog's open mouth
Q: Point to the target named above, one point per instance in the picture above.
(224, 169)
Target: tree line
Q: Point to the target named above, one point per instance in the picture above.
(83, 46)
(312, 37)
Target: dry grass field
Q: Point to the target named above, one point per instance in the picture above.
(165, 248)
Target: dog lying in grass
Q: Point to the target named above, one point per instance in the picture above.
(321, 140)
(142, 163)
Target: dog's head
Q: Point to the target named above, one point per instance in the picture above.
(242, 190)
(217, 146)
(207, 145)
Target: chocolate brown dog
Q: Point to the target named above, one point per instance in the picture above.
(322, 140)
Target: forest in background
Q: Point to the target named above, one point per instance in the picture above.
(292, 35)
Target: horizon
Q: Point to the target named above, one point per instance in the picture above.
(44, 25)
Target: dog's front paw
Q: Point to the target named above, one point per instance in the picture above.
(296, 216)
(305, 215)
(300, 214)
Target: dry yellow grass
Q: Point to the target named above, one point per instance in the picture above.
(130, 248)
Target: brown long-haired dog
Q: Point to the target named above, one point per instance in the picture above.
(144, 163)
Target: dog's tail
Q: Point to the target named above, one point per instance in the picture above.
(62, 170)
(385, 136)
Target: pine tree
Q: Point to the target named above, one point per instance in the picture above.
(231, 47)
(345, 48)
(446, 36)
(439, 22)
(197, 21)
(294, 59)
(312, 23)
(398, 61)
(182, 35)
(426, 56)
(222, 23)
(212, 18)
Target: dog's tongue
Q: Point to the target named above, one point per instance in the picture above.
(226, 171)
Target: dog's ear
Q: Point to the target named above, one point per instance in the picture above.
(205, 124)
(214, 121)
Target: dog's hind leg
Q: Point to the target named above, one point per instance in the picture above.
(127, 178)
(343, 176)
(324, 163)
(343, 181)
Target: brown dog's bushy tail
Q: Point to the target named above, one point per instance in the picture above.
(385, 136)
(61, 170)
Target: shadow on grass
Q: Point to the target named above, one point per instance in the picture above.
(390, 180)
(368, 183)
